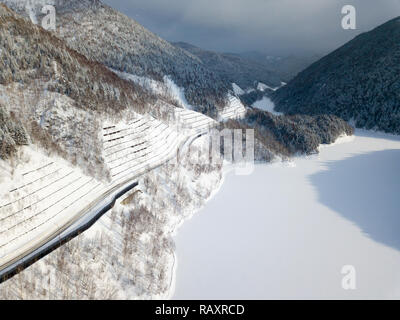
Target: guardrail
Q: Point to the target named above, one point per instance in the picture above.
(38, 254)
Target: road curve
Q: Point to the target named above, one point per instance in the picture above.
(83, 220)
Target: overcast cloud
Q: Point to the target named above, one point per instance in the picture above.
(278, 27)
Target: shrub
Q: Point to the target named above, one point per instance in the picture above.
(12, 134)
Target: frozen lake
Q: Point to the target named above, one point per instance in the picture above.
(286, 232)
(266, 104)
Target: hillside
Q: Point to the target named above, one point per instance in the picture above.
(359, 82)
(288, 136)
(45, 85)
(124, 45)
(244, 72)
(57, 105)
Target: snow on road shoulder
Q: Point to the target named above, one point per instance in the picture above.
(43, 192)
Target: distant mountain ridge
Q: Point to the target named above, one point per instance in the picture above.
(236, 69)
(359, 81)
(286, 67)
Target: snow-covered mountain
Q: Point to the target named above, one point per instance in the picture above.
(359, 82)
(44, 84)
(244, 72)
(124, 45)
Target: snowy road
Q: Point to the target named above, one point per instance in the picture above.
(287, 231)
(59, 233)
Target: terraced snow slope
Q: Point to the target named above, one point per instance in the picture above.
(37, 199)
(45, 195)
(234, 110)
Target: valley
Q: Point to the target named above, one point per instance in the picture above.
(109, 188)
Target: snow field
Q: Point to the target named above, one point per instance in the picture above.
(127, 153)
(266, 104)
(234, 110)
(194, 121)
(38, 200)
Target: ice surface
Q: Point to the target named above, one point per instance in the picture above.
(266, 104)
(286, 232)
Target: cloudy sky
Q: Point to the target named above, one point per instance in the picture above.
(278, 27)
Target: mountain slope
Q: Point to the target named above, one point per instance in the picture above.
(359, 81)
(29, 53)
(45, 85)
(236, 69)
(125, 45)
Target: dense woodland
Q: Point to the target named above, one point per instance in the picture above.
(290, 135)
(124, 45)
(359, 81)
(30, 54)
